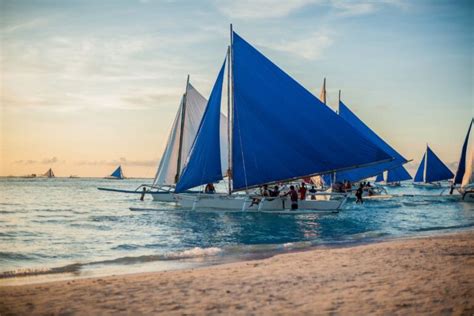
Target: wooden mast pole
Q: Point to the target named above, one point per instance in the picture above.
(181, 132)
(230, 104)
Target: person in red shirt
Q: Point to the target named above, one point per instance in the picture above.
(302, 191)
(293, 197)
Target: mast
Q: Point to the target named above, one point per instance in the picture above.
(181, 131)
(230, 104)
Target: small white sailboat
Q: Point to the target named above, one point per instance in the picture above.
(117, 174)
(464, 178)
(264, 106)
(431, 171)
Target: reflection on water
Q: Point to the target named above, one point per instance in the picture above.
(68, 224)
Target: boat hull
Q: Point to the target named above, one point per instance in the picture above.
(163, 196)
(434, 185)
(247, 203)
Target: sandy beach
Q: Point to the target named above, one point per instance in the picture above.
(431, 275)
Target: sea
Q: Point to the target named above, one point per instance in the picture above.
(66, 228)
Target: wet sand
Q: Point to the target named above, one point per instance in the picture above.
(433, 275)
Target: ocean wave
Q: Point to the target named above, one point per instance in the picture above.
(196, 252)
(22, 272)
(434, 228)
(15, 256)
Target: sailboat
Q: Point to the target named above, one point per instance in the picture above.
(180, 139)
(393, 177)
(117, 174)
(464, 177)
(49, 173)
(265, 107)
(431, 170)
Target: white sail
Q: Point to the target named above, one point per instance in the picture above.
(167, 169)
(195, 107)
(468, 179)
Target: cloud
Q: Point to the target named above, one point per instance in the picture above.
(34, 23)
(121, 161)
(264, 9)
(254, 9)
(45, 161)
(310, 47)
(364, 7)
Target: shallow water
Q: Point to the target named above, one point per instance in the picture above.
(67, 225)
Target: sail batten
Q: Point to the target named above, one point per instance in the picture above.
(268, 108)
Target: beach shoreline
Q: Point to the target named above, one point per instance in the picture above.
(422, 275)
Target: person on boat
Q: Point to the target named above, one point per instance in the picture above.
(312, 192)
(348, 186)
(264, 191)
(359, 193)
(302, 191)
(293, 197)
(142, 197)
(275, 192)
(451, 189)
(369, 188)
(210, 189)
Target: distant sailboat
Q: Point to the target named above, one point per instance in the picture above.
(431, 170)
(393, 177)
(464, 177)
(49, 173)
(117, 174)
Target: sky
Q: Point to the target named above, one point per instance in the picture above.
(88, 85)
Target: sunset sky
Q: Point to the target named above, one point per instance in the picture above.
(88, 85)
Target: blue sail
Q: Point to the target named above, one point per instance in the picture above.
(369, 171)
(117, 173)
(397, 174)
(204, 161)
(462, 160)
(327, 178)
(270, 113)
(436, 170)
(379, 178)
(419, 176)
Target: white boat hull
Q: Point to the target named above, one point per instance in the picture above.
(163, 196)
(248, 203)
(434, 185)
